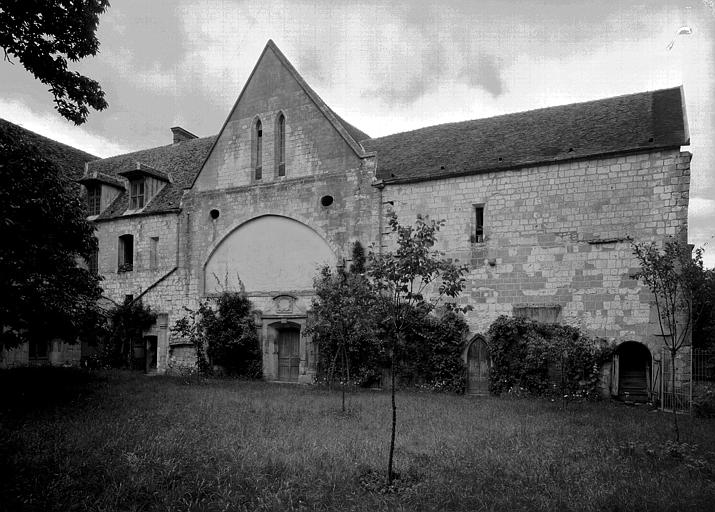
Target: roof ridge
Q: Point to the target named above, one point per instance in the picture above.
(530, 111)
(53, 141)
(123, 155)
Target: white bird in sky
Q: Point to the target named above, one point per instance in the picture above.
(682, 31)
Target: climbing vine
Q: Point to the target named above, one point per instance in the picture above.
(544, 359)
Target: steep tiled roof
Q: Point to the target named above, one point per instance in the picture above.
(647, 120)
(70, 160)
(182, 161)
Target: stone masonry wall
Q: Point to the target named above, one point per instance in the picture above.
(556, 235)
(164, 280)
(353, 215)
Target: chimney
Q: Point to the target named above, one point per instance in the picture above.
(180, 135)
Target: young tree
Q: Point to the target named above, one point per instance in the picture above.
(44, 293)
(43, 35)
(342, 324)
(402, 278)
(674, 276)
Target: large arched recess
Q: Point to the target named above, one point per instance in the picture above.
(269, 253)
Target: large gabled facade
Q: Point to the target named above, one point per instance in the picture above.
(540, 204)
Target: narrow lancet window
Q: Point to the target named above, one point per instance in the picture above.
(281, 145)
(258, 150)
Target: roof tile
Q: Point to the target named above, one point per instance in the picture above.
(645, 120)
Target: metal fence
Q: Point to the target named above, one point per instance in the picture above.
(703, 365)
(680, 396)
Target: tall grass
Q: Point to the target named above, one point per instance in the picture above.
(124, 441)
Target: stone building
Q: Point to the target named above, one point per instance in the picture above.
(541, 204)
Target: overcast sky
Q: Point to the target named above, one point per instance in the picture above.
(386, 66)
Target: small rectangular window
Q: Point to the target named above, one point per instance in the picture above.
(38, 349)
(126, 253)
(153, 253)
(94, 195)
(548, 314)
(478, 224)
(137, 195)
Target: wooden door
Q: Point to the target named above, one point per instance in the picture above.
(288, 354)
(478, 365)
(151, 353)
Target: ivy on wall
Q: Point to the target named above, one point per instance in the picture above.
(544, 359)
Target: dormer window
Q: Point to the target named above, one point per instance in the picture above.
(136, 196)
(280, 143)
(101, 188)
(258, 150)
(94, 196)
(145, 183)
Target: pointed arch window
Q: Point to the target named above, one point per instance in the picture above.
(280, 145)
(258, 150)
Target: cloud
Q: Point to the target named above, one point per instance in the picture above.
(60, 130)
(485, 74)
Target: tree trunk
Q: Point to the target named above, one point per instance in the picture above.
(390, 473)
(675, 413)
(343, 379)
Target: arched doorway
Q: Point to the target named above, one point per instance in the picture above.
(288, 348)
(632, 368)
(478, 364)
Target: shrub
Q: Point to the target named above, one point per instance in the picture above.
(544, 359)
(224, 334)
(127, 323)
(432, 355)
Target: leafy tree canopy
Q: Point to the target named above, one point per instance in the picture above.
(43, 36)
(44, 294)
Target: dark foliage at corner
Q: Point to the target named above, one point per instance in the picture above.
(43, 36)
(44, 294)
(224, 334)
(704, 312)
(128, 322)
(544, 359)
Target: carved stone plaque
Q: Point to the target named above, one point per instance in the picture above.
(284, 304)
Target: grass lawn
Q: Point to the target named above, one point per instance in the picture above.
(122, 441)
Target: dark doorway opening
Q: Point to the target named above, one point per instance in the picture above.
(634, 372)
(151, 353)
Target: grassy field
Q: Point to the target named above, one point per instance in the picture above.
(121, 441)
